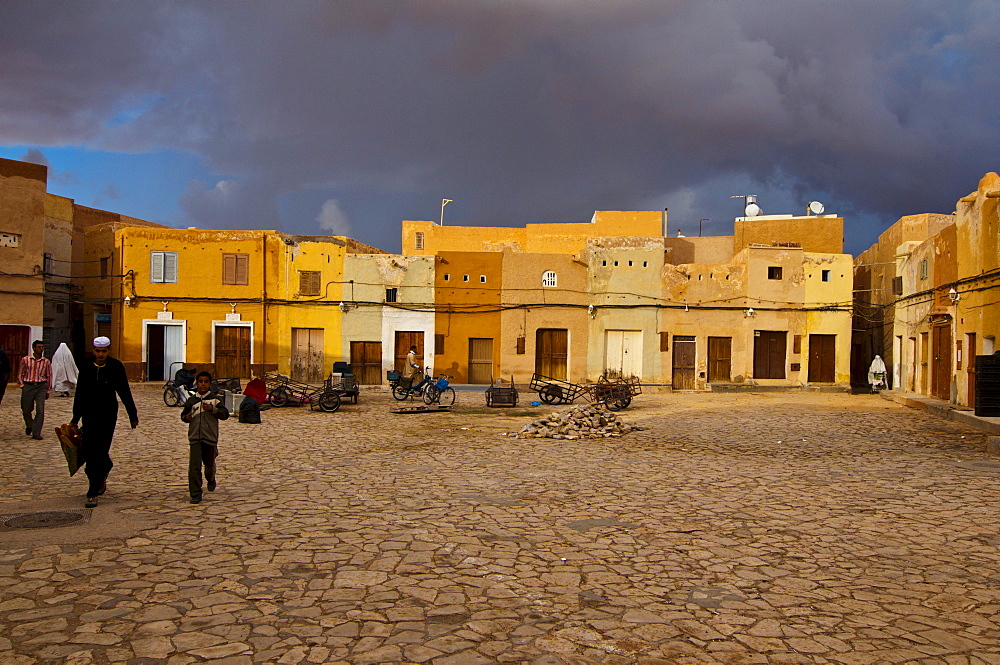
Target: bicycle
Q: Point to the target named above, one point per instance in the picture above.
(404, 388)
(177, 390)
(439, 392)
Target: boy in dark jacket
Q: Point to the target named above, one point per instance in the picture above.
(203, 411)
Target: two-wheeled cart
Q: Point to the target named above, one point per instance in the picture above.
(615, 394)
(283, 391)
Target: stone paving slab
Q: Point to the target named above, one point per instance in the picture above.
(734, 528)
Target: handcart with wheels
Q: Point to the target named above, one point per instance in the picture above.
(283, 391)
(499, 395)
(616, 394)
(555, 391)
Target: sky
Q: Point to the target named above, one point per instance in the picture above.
(346, 117)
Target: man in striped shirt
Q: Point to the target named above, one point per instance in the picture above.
(35, 379)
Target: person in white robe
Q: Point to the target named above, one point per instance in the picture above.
(64, 371)
(876, 374)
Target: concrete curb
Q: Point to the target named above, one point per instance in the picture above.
(946, 411)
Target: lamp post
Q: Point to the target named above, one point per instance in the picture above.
(444, 202)
(699, 224)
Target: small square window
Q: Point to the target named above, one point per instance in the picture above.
(645, 264)
(447, 277)
(418, 240)
(482, 278)
(549, 278)
(630, 263)
(310, 283)
(465, 278)
(924, 270)
(391, 294)
(604, 263)
(825, 275)
(774, 272)
(616, 263)
(163, 267)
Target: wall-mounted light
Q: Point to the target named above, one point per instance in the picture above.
(590, 310)
(343, 307)
(232, 307)
(165, 304)
(750, 312)
(128, 301)
(954, 296)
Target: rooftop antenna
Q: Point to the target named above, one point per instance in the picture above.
(750, 207)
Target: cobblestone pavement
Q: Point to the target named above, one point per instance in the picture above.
(740, 528)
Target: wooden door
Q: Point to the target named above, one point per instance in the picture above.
(822, 358)
(404, 340)
(941, 370)
(720, 353)
(307, 355)
(16, 344)
(683, 362)
(366, 361)
(769, 348)
(623, 353)
(480, 360)
(551, 352)
(925, 353)
(232, 352)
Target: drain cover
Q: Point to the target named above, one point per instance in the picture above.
(40, 520)
(988, 466)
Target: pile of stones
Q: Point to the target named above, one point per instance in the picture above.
(580, 422)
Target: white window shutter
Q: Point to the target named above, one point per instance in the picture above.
(155, 267)
(170, 267)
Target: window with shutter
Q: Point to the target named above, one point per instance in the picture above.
(309, 283)
(418, 241)
(235, 269)
(438, 344)
(391, 294)
(163, 267)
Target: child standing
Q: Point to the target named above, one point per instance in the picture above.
(203, 411)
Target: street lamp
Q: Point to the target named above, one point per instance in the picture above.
(444, 202)
(706, 219)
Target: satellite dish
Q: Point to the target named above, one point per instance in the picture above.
(816, 208)
(752, 210)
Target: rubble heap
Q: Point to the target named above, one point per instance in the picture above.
(580, 422)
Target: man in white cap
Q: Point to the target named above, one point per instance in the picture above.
(100, 385)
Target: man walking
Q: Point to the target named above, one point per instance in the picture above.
(35, 379)
(100, 385)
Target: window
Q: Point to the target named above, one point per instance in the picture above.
(825, 275)
(604, 263)
(465, 278)
(391, 294)
(924, 272)
(163, 267)
(520, 346)
(10, 240)
(549, 278)
(447, 277)
(310, 283)
(104, 267)
(236, 269)
(774, 272)
(482, 279)
(897, 286)
(797, 344)
(664, 341)
(438, 345)
(630, 263)
(418, 240)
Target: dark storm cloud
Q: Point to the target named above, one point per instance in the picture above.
(521, 111)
